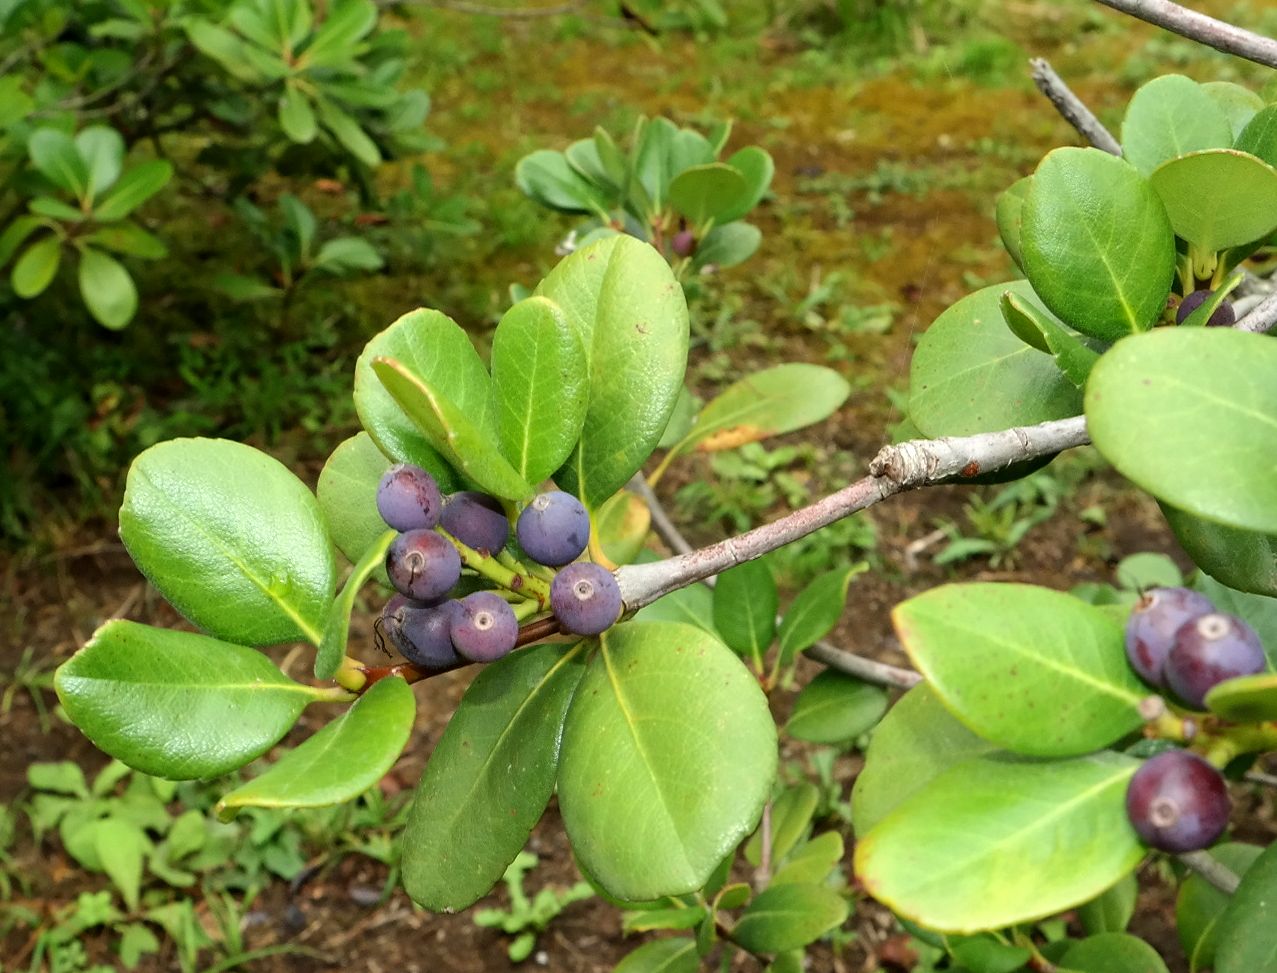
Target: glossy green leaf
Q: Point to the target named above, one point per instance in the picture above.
(812, 861)
(675, 955)
(789, 916)
(347, 494)
(55, 156)
(135, 187)
(129, 239)
(209, 707)
(489, 777)
(1171, 116)
(1246, 937)
(233, 539)
(35, 269)
(1219, 198)
(693, 605)
(790, 822)
(708, 193)
(916, 741)
(623, 300)
(1190, 415)
(1199, 905)
(669, 751)
(102, 149)
(621, 527)
(296, 117)
(348, 133)
(814, 613)
(1111, 911)
(341, 761)
(335, 39)
(1239, 105)
(1245, 699)
(1259, 137)
(745, 603)
(15, 234)
(729, 245)
(1040, 329)
(1009, 215)
(539, 387)
(1259, 611)
(1064, 686)
(332, 646)
(546, 177)
(768, 403)
(1113, 952)
(999, 840)
(970, 374)
(107, 289)
(834, 708)
(1241, 559)
(1097, 245)
(756, 165)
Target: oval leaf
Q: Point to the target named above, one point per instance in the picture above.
(1063, 685)
(1113, 952)
(676, 955)
(135, 187)
(708, 193)
(669, 751)
(108, 291)
(1245, 699)
(834, 708)
(756, 165)
(816, 610)
(210, 707)
(1241, 559)
(35, 269)
(1259, 137)
(347, 494)
(790, 821)
(1247, 937)
(745, 603)
(231, 538)
(55, 156)
(954, 856)
(341, 761)
(1171, 116)
(1199, 904)
(1218, 199)
(789, 916)
(547, 177)
(1190, 415)
(332, 646)
(1009, 216)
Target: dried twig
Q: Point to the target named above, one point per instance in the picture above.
(1072, 108)
(1206, 30)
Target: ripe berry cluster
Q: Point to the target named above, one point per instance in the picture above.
(439, 537)
(1176, 640)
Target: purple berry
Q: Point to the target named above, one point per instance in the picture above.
(1151, 628)
(477, 520)
(554, 529)
(484, 627)
(684, 243)
(1178, 802)
(424, 635)
(585, 598)
(408, 498)
(1209, 650)
(423, 565)
(1222, 317)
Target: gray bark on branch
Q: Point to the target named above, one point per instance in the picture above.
(1072, 108)
(1197, 26)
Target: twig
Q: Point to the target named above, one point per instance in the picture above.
(894, 470)
(1205, 30)
(1261, 317)
(1072, 108)
(1220, 876)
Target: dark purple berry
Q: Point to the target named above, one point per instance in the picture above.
(408, 498)
(1151, 627)
(1222, 317)
(684, 243)
(423, 565)
(1209, 650)
(585, 598)
(477, 520)
(554, 529)
(484, 627)
(424, 635)
(1178, 802)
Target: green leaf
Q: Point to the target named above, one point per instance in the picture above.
(223, 47)
(130, 240)
(1139, 572)
(1219, 198)
(35, 269)
(680, 424)
(756, 165)
(546, 177)
(1009, 216)
(1241, 559)
(135, 187)
(1199, 905)
(335, 40)
(970, 374)
(621, 527)
(1246, 938)
(102, 149)
(466, 446)
(1190, 415)
(834, 708)
(15, 234)
(708, 193)
(62, 777)
(54, 155)
(693, 605)
(916, 741)
(789, 916)
(241, 287)
(816, 610)
(790, 821)
(1171, 116)
(624, 302)
(439, 352)
(1239, 105)
(341, 761)
(812, 861)
(107, 289)
(332, 647)
(986, 954)
(953, 855)
(682, 917)
(1097, 245)
(489, 777)
(675, 955)
(120, 846)
(728, 245)
(1039, 328)
(1245, 699)
(768, 403)
(1111, 911)
(1064, 686)
(55, 209)
(348, 133)
(1259, 137)
(650, 691)
(1113, 952)
(745, 603)
(231, 538)
(210, 706)
(539, 387)
(296, 117)
(347, 254)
